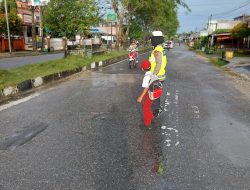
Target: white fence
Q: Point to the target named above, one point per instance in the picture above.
(56, 43)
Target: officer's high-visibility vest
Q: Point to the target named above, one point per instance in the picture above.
(162, 71)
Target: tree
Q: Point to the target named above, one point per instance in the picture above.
(68, 17)
(65, 18)
(88, 17)
(160, 15)
(124, 9)
(204, 41)
(11, 4)
(15, 23)
(240, 31)
(136, 30)
(149, 14)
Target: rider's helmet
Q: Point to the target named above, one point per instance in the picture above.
(145, 64)
(157, 38)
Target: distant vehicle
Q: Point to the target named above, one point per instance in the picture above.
(168, 45)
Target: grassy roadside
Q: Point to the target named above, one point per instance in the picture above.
(218, 62)
(12, 77)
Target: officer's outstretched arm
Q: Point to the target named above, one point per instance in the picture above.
(158, 60)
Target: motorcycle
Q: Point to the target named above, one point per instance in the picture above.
(132, 58)
(168, 47)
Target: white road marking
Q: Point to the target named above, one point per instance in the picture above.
(163, 127)
(168, 142)
(177, 143)
(171, 133)
(11, 104)
(172, 129)
(196, 111)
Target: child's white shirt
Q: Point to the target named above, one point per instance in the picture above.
(146, 79)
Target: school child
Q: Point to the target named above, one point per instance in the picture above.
(144, 97)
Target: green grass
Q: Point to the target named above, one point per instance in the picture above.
(201, 53)
(242, 53)
(218, 62)
(242, 63)
(13, 77)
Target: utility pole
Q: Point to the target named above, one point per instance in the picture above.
(8, 28)
(210, 29)
(41, 25)
(33, 28)
(244, 17)
(208, 26)
(111, 36)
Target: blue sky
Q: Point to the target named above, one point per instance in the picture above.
(201, 9)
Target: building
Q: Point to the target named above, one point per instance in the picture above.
(243, 18)
(221, 25)
(25, 13)
(219, 33)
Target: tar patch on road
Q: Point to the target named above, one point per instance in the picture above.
(22, 136)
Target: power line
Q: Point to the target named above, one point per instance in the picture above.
(201, 5)
(234, 9)
(244, 4)
(237, 12)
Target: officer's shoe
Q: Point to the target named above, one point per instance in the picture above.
(158, 113)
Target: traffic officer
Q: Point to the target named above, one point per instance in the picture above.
(158, 61)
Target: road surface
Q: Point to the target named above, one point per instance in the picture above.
(84, 133)
(14, 62)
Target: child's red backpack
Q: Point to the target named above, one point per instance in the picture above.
(155, 88)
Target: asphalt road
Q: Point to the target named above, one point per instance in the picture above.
(84, 133)
(247, 67)
(14, 62)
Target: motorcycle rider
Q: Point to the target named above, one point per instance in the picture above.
(133, 46)
(158, 61)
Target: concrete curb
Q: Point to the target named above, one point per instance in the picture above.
(12, 91)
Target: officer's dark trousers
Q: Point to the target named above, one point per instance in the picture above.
(157, 104)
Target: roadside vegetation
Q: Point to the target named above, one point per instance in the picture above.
(12, 77)
(218, 62)
(242, 53)
(215, 53)
(66, 19)
(239, 33)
